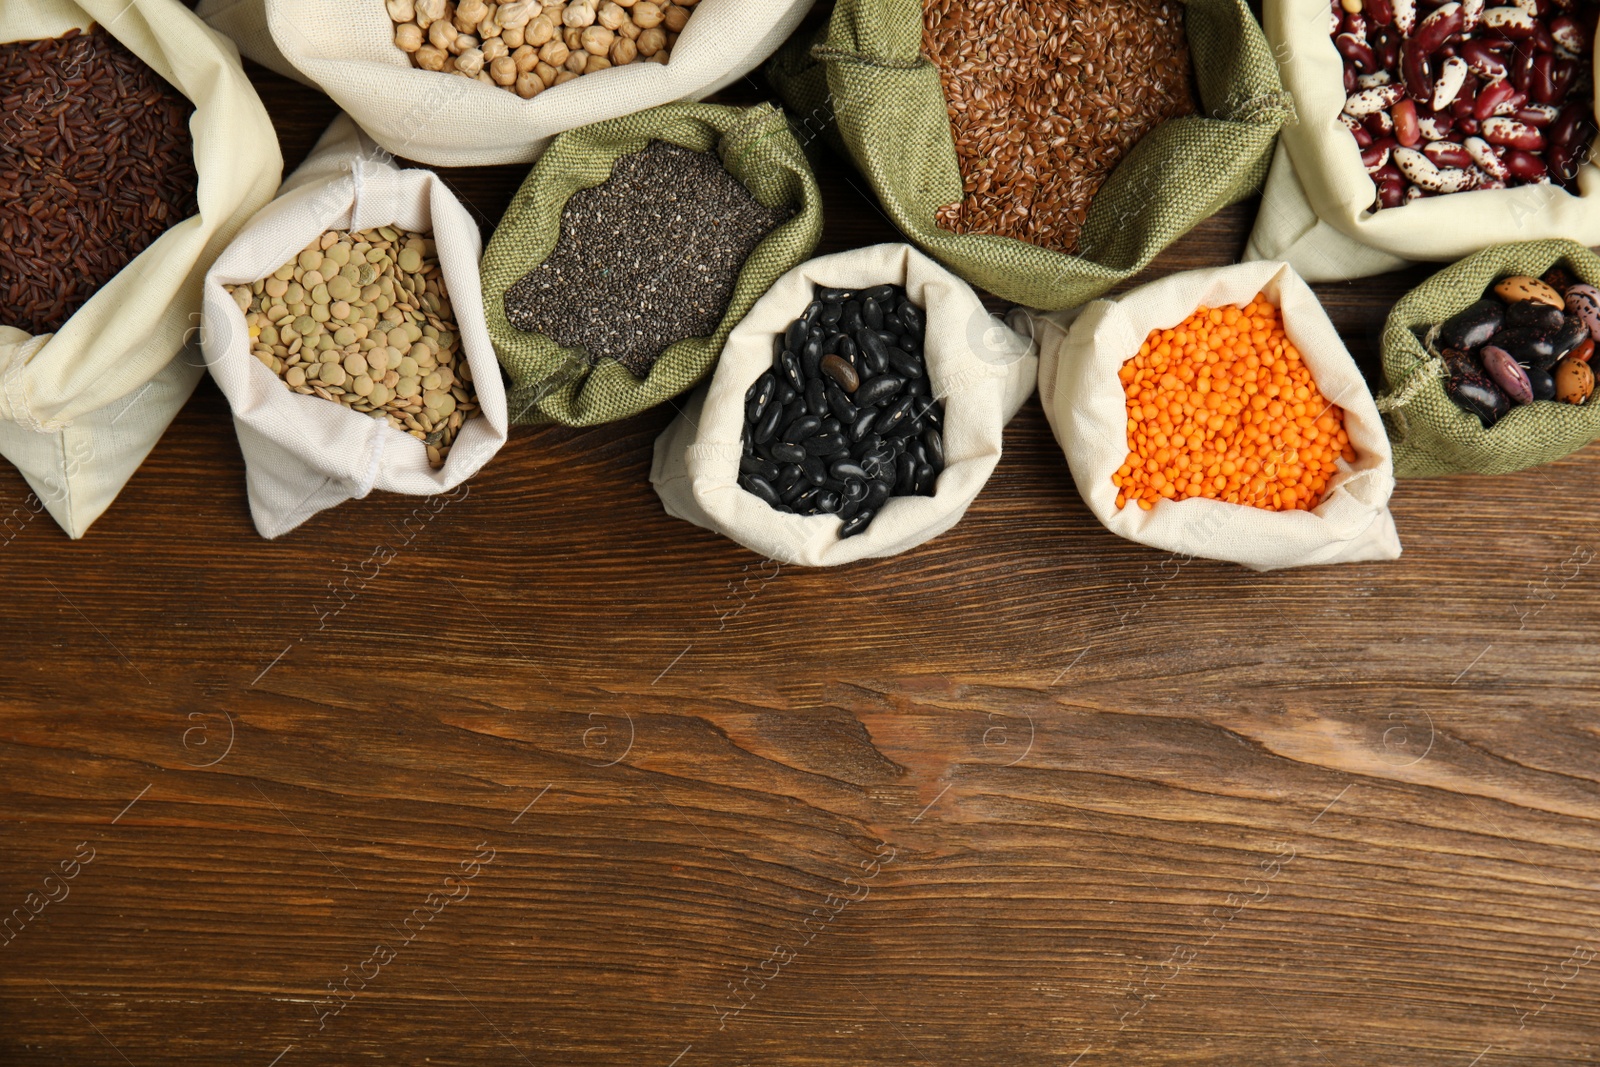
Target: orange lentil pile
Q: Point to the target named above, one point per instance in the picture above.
(1222, 406)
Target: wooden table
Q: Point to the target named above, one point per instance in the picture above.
(565, 781)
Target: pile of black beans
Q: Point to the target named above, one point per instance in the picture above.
(846, 417)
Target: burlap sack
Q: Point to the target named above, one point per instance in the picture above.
(551, 383)
(1431, 435)
(1314, 211)
(1084, 400)
(303, 453)
(81, 408)
(864, 82)
(347, 50)
(980, 368)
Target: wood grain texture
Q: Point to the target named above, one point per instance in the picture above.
(606, 788)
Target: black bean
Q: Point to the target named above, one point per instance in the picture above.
(834, 296)
(908, 344)
(816, 397)
(759, 396)
(933, 445)
(846, 348)
(841, 406)
(871, 443)
(801, 428)
(856, 524)
(845, 469)
(877, 494)
(855, 489)
(905, 475)
(806, 501)
(878, 390)
(813, 309)
(791, 480)
(787, 452)
(924, 479)
(791, 370)
(883, 294)
(830, 314)
(863, 425)
(786, 393)
(917, 387)
(915, 450)
(932, 414)
(811, 359)
(827, 444)
(768, 424)
(762, 467)
(874, 349)
(848, 509)
(795, 336)
(911, 315)
(832, 425)
(871, 315)
(892, 324)
(905, 363)
(827, 500)
(815, 470)
(760, 487)
(851, 319)
(893, 416)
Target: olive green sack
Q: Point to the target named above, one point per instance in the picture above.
(1432, 436)
(864, 83)
(551, 383)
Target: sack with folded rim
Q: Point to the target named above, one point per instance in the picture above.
(80, 408)
(978, 367)
(1086, 405)
(305, 453)
(347, 49)
(1315, 210)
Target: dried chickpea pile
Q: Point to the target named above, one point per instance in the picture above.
(526, 46)
(362, 318)
(1222, 407)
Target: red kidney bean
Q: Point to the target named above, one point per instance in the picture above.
(1452, 76)
(1377, 155)
(1405, 16)
(1490, 97)
(1349, 79)
(1483, 60)
(1377, 98)
(1524, 165)
(1356, 51)
(1561, 78)
(1379, 124)
(1513, 134)
(1363, 138)
(1447, 154)
(1406, 130)
(1467, 126)
(1471, 14)
(1569, 34)
(1509, 22)
(1536, 114)
(1541, 83)
(1521, 63)
(1488, 161)
(1379, 11)
(1542, 41)
(1434, 125)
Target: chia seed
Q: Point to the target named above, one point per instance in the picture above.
(645, 259)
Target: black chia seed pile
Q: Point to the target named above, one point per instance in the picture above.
(645, 259)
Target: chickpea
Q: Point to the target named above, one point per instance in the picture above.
(469, 13)
(526, 58)
(493, 49)
(442, 34)
(431, 58)
(675, 17)
(597, 63)
(547, 74)
(513, 37)
(652, 41)
(538, 31)
(611, 16)
(429, 12)
(504, 71)
(573, 38)
(529, 85)
(554, 53)
(409, 37)
(597, 40)
(563, 77)
(470, 62)
(465, 42)
(518, 13)
(623, 52)
(630, 31)
(483, 76)
(579, 13)
(646, 14)
(577, 62)
(401, 10)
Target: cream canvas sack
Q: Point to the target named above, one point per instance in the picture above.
(303, 453)
(81, 408)
(1314, 208)
(979, 368)
(1084, 400)
(347, 50)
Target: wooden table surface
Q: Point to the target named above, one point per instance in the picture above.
(533, 774)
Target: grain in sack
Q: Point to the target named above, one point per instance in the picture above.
(134, 148)
(458, 83)
(1427, 133)
(977, 372)
(345, 327)
(1043, 153)
(1216, 413)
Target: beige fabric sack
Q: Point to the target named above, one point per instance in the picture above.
(1314, 207)
(1084, 400)
(81, 408)
(980, 368)
(303, 453)
(348, 51)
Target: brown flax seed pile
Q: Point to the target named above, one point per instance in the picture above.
(1045, 98)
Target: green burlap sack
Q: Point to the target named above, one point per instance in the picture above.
(551, 383)
(1432, 436)
(864, 85)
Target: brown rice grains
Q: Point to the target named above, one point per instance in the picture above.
(1045, 98)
